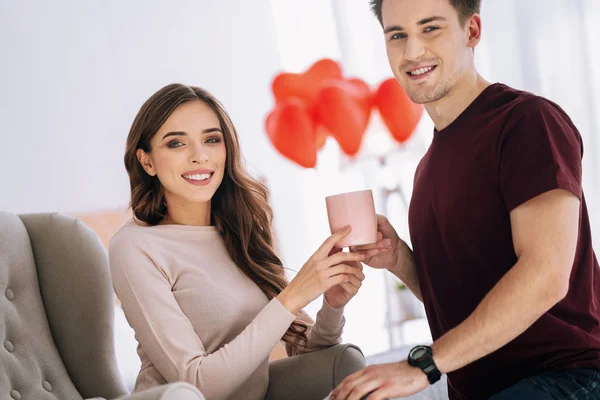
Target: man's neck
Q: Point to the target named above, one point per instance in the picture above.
(444, 111)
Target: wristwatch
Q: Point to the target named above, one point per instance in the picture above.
(422, 357)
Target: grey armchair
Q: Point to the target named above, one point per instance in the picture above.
(56, 323)
(56, 314)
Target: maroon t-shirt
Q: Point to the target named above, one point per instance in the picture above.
(506, 148)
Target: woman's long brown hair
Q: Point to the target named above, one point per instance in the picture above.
(239, 209)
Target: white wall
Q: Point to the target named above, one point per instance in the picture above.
(74, 73)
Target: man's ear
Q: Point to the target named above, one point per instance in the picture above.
(474, 30)
(145, 161)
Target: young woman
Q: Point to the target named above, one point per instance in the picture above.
(195, 269)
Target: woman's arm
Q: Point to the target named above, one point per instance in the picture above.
(167, 336)
(326, 331)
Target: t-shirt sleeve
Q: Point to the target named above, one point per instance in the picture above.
(539, 152)
(166, 334)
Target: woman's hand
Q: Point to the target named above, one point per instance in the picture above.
(323, 270)
(339, 295)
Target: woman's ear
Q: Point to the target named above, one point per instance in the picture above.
(145, 162)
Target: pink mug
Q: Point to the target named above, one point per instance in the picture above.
(356, 209)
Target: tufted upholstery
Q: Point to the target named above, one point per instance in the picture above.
(56, 314)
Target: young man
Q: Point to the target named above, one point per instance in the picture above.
(502, 251)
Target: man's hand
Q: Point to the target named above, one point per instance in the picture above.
(388, 239)
(397, 257)
(383, 381)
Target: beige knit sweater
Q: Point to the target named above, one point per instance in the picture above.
(196, 316)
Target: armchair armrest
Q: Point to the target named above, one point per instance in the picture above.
(173, 391)
(313, 375)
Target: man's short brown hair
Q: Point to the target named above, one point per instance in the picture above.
(465, 9)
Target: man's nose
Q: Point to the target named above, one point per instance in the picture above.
(414, 49)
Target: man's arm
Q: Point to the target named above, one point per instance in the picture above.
(545, 231)
(406, 270)
(391, 253)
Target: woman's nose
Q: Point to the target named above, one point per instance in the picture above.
(198, 155)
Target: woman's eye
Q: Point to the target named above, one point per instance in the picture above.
(213, 140)
(174, 144)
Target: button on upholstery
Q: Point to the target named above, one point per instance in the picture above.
(9, 346)
(15, 395)
(47, 386)
(10, 294)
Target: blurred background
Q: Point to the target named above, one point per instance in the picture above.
(73, 74)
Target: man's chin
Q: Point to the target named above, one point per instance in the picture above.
(421, 97)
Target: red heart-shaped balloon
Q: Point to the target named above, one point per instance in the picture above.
(292, 132)
(322, 134)
(340, 109)
(397, 110)
(365, 94)
(305, 85)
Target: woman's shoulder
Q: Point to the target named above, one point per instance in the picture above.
(130, 235)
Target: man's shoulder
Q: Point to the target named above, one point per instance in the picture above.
(518, 104)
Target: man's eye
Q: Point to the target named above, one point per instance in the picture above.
(431, 29)
(397, 36)
(174, 143)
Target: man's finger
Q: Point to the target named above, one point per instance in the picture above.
(382, 220)
(370, 253)
(364, 388)
(381, 244)
(347, 381)
(348, 389)
(379, 394)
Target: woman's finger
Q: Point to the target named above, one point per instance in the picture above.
(341, 269)
(340, 258)
(335, 250)
(353, 285)
(332, 240)
(349, 288)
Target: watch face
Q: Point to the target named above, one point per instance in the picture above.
(419, 353)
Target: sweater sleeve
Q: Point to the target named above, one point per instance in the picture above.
(326, 331)
(166, 334)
